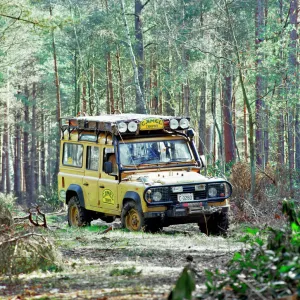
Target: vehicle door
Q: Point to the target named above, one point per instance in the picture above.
(108, 183)
(91, 176)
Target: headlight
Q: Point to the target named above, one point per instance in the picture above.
(156, 196)
(122, 127)
(184, 123)
(212, 192)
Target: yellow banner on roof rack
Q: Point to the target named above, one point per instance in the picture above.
(152, 124)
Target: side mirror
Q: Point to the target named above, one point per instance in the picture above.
(108, 167)
(203, 161)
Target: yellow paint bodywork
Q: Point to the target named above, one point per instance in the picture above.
(102, 192)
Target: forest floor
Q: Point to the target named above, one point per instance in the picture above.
(119, 264)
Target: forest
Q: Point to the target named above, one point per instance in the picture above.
(231, 66)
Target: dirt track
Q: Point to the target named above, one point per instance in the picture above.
(121, 265)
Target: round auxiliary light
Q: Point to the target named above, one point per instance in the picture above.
(184, 123)
(156, 196)
(212, 192)
(132, 126)
(122, 127)
(174, 124)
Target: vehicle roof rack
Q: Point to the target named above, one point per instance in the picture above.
(114, 124)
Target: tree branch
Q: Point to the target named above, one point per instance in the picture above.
(145, 4)
(20, 19)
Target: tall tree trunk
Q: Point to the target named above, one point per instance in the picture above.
(121, 85)
(26, 147)
(43, 153)
(33, 146)
(213, 112)
(5, 151)
(259, 86)
(202, 121)
(228, 128)
(84, 95)
(141, 104)
(139, 50)
(58, 102)
(17, 178)
(248, 104)
(110, 84)
(292, 83)
(297, 139)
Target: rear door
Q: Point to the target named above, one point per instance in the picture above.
(91, 176)
(108, 184)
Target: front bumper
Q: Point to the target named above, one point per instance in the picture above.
(189, 212)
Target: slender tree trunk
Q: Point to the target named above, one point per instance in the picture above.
(297, 139)
(43, 153)
(139, 50)
(17, 178)
(110, 84)
(202, 121)
(141, 104)
(228, 128)
(248, 105)
(84, 95)
(259, 86)
(121, 85)
(5, 179)
(58, 102)
(26, 148)
(292, 84)
(33, 146)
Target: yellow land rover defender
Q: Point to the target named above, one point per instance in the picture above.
(144, 169)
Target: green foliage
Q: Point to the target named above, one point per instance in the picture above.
(125, 272)
(185, 285)
(268, 267)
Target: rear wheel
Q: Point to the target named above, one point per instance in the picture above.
(77, 215)
(217, 224)
(132, 217)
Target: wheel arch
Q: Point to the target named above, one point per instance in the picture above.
(131, 196)
(75, 190)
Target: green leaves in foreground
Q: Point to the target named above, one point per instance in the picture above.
(267, 269)
(185, 285)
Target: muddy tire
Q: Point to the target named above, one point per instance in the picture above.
(77, 215)
(217, 224)
(132, 217)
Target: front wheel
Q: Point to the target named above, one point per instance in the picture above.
(217, 224)
(132, 217)
(77, 215)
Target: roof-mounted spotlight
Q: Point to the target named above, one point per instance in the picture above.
(174, 124)
(122, 127)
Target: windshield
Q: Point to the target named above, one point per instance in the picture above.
(154, 152)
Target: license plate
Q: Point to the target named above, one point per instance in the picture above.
(185, 197)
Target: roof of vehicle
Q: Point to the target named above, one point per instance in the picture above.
(111, 123)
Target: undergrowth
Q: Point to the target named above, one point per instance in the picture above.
(268, 268)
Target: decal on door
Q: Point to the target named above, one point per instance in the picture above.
(108, 197)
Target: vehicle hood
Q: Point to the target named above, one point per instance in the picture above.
(170, 178)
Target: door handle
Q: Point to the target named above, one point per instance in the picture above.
(86, 184)
(101, 186)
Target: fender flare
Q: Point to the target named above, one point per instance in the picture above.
(78, 190)
(132, 196)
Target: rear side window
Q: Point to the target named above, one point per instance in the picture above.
(72, 155)
(92, 160)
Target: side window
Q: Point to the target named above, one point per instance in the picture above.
(72, 155)
(92, 158)
(109, 155)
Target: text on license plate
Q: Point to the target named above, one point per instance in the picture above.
(185, 197)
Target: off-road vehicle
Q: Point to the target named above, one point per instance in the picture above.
(144, 169)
